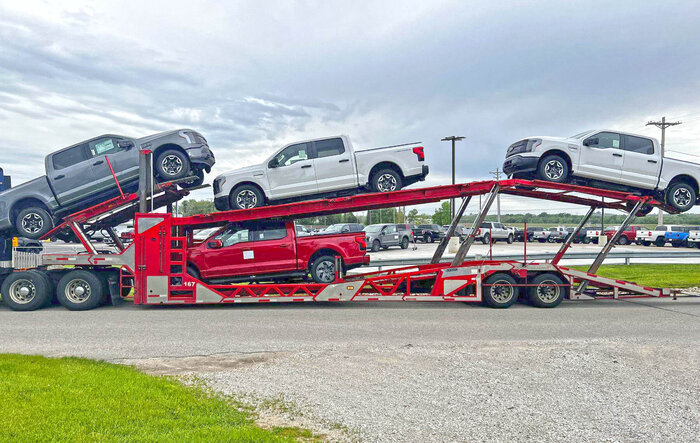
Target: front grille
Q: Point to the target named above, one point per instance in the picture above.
(517, 148)
(199, 139)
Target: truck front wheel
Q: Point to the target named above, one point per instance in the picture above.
(386, 180)
(33, 222)
(172, 164)
(681, 196)
(553, 168)
(246, 197)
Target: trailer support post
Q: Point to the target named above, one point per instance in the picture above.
(567, 242)
(144, 180)
(115, 238)
(450, 232)
(611, 243)
(464, 248)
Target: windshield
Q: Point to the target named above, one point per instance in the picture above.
(373, 228)
(582, 134)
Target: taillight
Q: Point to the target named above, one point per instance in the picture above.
(419, 152)
(362, 242)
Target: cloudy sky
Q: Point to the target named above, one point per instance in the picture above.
(252, 76)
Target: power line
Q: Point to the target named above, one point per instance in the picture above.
(663, 124)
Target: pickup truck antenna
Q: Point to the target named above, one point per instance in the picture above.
(663, 124)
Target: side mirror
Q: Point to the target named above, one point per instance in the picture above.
(591, 142)
(125, 144)
(215, 244)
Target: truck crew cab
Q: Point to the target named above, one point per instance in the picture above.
(608, 159)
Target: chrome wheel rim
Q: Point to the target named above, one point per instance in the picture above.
(32, 223)
(78, 291)
(22, 291)
(246, 199)
(171, 164)
(386, 183)
(554, 170)
(682, 197)
(502, 291)
(326, 271)
(548, 291)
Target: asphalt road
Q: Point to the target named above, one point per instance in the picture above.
(588, 370)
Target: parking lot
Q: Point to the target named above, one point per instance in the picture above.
(411, 371)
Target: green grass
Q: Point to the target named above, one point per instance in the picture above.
(72, 399)
(654, 275)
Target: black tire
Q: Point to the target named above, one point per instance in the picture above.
(385, 247)
(510, 239)
(385, 180)
(660, 242)
(51, 290)
(505, 292)
(172, 164)
(80, 290)
(428, 238)
(486, 239)
(623, 241)
(193, 272)
(681, 196)
(553, 168)
(33, 222)
(246, 197)
(551, 239)
(676, 244)
(646, 243)
(404, 243)
(25, 291)
(376, 245)
(323, 269)
(545, 296)
(197, 181)
(692, 245)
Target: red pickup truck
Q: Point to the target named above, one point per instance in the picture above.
(271, 250)
(628, 236)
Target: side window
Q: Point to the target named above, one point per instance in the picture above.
(603, 140)
(328, 148)
(103, 146)
(234, 234)
(346, 228)
(270, 231)
(638, 144)
(290, 155)
(69, 157)
(391, 229)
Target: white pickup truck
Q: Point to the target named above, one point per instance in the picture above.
(694, 239)
(324, 167)
(657, 236)
(493, 231)
(610, 159)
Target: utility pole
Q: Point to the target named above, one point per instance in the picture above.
(497, 173)
(453, 139)
(663, 124)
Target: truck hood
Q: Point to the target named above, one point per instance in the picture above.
(149, 138)
(246, 171)
(549, 138)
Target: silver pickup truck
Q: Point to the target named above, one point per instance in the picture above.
(324, 167)
(78, 176)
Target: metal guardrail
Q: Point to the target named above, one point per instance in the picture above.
(546, 256)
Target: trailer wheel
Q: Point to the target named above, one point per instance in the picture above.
(502, 291)
(376, 245)
(404, 243)
(323, 269)
(50, 289)
(547, 294)
(25, 291)
(33, 222)
(80, 290)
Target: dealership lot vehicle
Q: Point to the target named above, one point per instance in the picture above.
(270, 249)
(679, 237)
(628, 236)
(342, 228)
(694, 239)
(427, 233)
(612, 159)
(385, 235)
(84, 174)
(494, 231)
(540, 234)
(657, 236)
(326, 167)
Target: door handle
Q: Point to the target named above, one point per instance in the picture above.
(305, 166)
(345, 160)
(652, 161)
(58, 177)
(98, 162)
(617, 155)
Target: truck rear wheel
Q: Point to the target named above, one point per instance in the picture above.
(510, 239)
(500, 290)
(80, 290)
(660, 241)
(386, 180)
(548, 292)
(681, 196)
(486, 239)
(33, 222)
(25, 291)
(623, 240)
(323, 269)
(404, 243)
(376, 245)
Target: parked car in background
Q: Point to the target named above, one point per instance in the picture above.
(270, 250)
(519, 233)
(303, 230)
(492, 232)
(657, 236)
(428, 233)
(79, 176)
(628, 236)
(324, 167)
(558, 234)
(382, 236)
(679, 237)
(460, 231)
(610, 159)
(694, 239)
(540, 234)
(593, 235)
(342, 228)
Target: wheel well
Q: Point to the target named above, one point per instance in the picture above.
(25, 203)
(558, 152)
(384, 165)
(325, 251)
(685, 179)
(251, 184)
